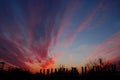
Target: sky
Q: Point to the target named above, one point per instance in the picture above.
(37, 34)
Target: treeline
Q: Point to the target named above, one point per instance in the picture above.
(96, 71)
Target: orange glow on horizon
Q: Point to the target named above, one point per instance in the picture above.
(35, 67)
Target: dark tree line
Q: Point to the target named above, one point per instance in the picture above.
(92, 71)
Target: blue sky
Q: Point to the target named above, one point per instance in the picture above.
(47, 33)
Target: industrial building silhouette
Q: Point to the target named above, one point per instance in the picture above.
(96, 72)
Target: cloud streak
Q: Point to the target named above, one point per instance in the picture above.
(108, 49)
(35, 34)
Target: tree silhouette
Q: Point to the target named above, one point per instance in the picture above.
(98, 70)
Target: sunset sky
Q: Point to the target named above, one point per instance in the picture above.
(38, 34)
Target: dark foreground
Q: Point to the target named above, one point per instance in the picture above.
(19, 74)
(101, 71)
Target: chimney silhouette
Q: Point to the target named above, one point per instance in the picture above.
(48, 71)
(55, 70)
(85, 70)
(82, 70)
(51, 71)
(43, 71)
(40, 71)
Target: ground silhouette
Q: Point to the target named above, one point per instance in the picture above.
(99, 71)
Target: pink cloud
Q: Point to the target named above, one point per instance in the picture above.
(109, 48)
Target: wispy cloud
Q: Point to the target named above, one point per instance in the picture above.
(109, 48)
